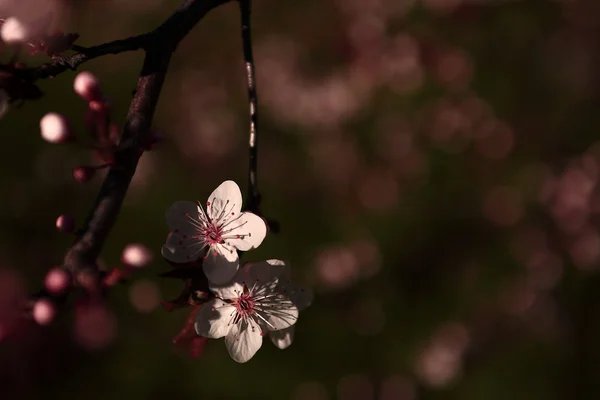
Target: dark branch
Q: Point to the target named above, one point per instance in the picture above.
(61, 64)
(170, 33)
(159, 46)
(253, 193)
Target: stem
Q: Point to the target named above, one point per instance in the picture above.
(253, 193)
(159, 45)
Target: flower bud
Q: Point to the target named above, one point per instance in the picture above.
(136, 255)
(55, 128)
(13, 31)
(86, 85)
(44, 311)
(57, 281)
(83, 173)
(65, 223)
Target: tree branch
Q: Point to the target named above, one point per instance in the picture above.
(253, 193)
(80, 259)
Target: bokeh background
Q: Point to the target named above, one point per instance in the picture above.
(433, 165)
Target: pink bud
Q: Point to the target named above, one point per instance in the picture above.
(44, 311)
(87, 86)
(55, 128)
(57, 281)
(83, 173)
(65, 223)
(13, 31)
(136, 255)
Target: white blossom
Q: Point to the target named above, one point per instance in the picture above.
(220, 231)
(243, 311)
(302, 299)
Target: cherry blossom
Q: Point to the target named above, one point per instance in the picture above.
(223, 229)
(243, 311)
(302, 299)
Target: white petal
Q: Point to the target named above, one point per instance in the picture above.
(281, 316)
(221, 264)
(213, 319)
(301, 297)
(264, 273)
(282, 338)
(181, 248)
(183, 217)
(230, 290)
(245, 232)
(244, 340)
(224, 201)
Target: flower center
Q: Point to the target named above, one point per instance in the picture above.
(244, 305)
(212, 234)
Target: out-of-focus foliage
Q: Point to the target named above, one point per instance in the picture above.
(433, 165)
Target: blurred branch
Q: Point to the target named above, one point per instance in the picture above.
(159, 45)
(61, 64)
(253, 194)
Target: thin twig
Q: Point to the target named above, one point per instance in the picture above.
(159, 45)
(253, 193)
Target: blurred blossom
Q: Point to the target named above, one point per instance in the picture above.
(44, 311)
(55, 128)
(209, 135)
(336, 267)
(87, 86)
(95, 327)
(378, 191)
(401, 67)
(28, 11)
(397, 387)
(293, 98)
(453, 68)
(545, 269)
(335, 160)
(14, 31)
(569, 197)
(144, 296)
(474, 109)
(517, 298)
(57, 281)
(310, 391)
(441, 361)
(503, 205)
(367, 317)
(495, 140)
(355, 387)
(367, 253)
(585, 249)
(528, 241)
(394, 140)
(136, 255)
(447, 126)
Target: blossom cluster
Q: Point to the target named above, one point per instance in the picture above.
(246, 302)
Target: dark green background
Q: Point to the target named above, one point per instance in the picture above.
(535, 63)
